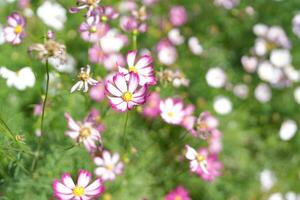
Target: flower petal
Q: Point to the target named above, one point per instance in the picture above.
(120, 82)
(84, 178)
(61, 188)
(133, 82)
(130, 58)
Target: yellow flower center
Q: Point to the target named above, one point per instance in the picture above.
(199, 158)
(127, 96)
(203, 125)
(109, 167)
(177, 197)
(133, 69)
(83, 76)
(93, 29)
(18, 29)
(91, 2)
(85, 132)
(170, 114)
(104, 18)
(78, 191)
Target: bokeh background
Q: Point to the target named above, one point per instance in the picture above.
(251, 141)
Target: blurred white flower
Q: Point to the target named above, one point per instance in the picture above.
(288, 129)
(22, 79)
(216, 77)
(249, 63)
(267, 179)
(263, 93)
(175, 37)
(227, 4)
(260, 30)
(52, 14)
(296, 24)
(280, 57)
(267, 72)
(297, 95)
(222, 105)
(113, 41)
(195, 46)
(167, 55)
(68, 66)
(28, 12)
(277, 35)
(276, 196)
(260, 47)
(241, 91)
(292, 74)
(2, 39)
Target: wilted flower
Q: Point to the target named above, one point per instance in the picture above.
(108, 166)
(197, 160)
(180, 193)
(92, 30)
(22, 79)
(151, 107)
(142, 67)
(124, 94)
(84, 80)
(15, 31)
(52, 14)
(172, 110)
(222, 105)
(84, 132)
(178, 15)
(66, 188)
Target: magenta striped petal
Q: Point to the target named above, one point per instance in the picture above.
(144, 61)
(120, 82)
(130, 58)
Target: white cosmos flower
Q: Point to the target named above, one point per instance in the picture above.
(263, 93)
(260, 30)
(22, 79)
(109, 166)
(260, 47)
(292, 74)
(297, 95)
(267, 179)
(276, 196)
(167, 55)
(52, 14)
(175, 37)
(267, 72)
(195, 46)
(288, 129)
(84, 80)
(280, 57)
(296, 24)
(113, 41)
(216, 77)
(172, 111)
(196, 160)
(222, 105)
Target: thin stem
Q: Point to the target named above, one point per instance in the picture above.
(124, 130)
(42, 119)
(134, 41)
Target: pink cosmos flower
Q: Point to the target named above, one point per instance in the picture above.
(215, 143)
(142, 67)
(109, 166)
(198, 161)
(180, 193)
(84, 132)
(91, 5)
(151, 108)
(67, 190)
(124, 95)
(214, 166)
(166, 52)
(172, 110)
(178, 15)
(131, 24)
(108, 13)
(188, 121)
(15, 31)
(92, 30)
(206, 123)
(97, 92)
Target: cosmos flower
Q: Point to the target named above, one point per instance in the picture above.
(175, 36)
(216, 77)
(215, 145)
(180, 193)
(227, 4)
(14, 32)
(178, 15)
(267, 179)
(66, 188)
(113, 41)
(166, 52)
(205, 124)
(197, 160)
(84, 132)
(172, 110)
(189, 119)
(108, 166)
(21, 80)
(108, 13)
(142, 67)
(92, 30)
(91, 5)
(132, 24)
(52, 14)
(124, 95)
(263, 93)
(97, 92)
(151, 107)
(84, 80)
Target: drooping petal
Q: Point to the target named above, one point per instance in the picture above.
(73, 134)
(77, 86)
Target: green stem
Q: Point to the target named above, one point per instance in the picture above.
(42, 119)
(134, 41)
(124, 131)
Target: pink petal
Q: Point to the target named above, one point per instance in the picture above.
(144, 62)
(71, 123)
(64, 196)
(95, 188)
(141, 92)
(61, 188)
(130, 58)
(68, 181)
(84, 178)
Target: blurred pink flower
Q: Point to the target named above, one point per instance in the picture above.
(108, 13)
(205, 124)
(131, 24)
(97, 92)
(37, 110)
(214, 142)
(188, 121)
(180, 193)
(142, 67)
(166, 52)
(15, 31)
(124, 95)
(66, 188)
(108, 166)
(178, 15)
(151, 108)
(92, 30)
